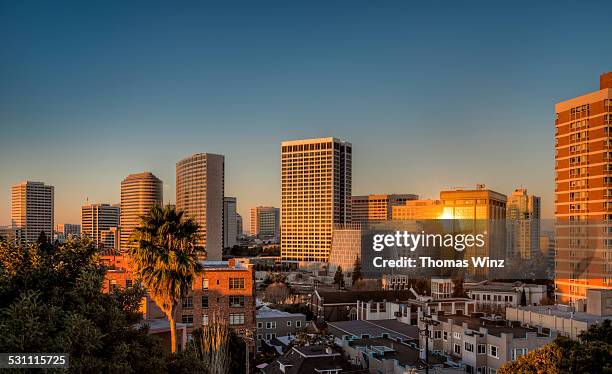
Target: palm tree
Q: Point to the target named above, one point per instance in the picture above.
(165, 258)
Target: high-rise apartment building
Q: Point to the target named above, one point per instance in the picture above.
(139, 193)
(523, 222)
(32, 210)
(99, 222)
(316, 180)
(200, 191)
(376, 208)
(583, 193)
(265, 222)
(230, 223)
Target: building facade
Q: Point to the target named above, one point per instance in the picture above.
(200, 191)
(345, 249)
(583, 192)
(417, 210)
(523, 215)
(377, 208)
(265, 222)
(32, 210)
(99, 222)
(230, 222)
(139, 193)
(316, 185)
(65, 231)
(272, 323)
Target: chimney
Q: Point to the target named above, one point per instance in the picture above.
(605, 80)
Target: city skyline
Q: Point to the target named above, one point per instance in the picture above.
(75, 119)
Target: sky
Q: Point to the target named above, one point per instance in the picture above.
(432, 95)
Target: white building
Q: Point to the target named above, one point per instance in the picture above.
(499, 295)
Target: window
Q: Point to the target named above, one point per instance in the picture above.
(445, 335)
(270, 325)
(205, 283)
(204, 319)
(469, 347)
(236, 301)
(457, 335)
(457, 349)
(236, 283)
(438, 334)
(482, 349)
(288, 323)
(128, 283)
(298, 323)
(236, 319)
(187, 319)
(188, 302)
(493, 351)
(260, 325)
(518, 352)
(204, 301)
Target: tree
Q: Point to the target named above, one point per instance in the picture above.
(165, 258)
(211, 346)
(52, 301)
(339, 277)
(356, 270)
(277, 293)
(523, 298)
(458, 290)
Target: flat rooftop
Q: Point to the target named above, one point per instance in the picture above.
(358, 329)
(561, 312)
(494, 327)
(275, 313)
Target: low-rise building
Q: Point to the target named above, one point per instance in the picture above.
(481, 344)
(273, 323)
(495, 296)
(331, 306)
(407, 311)
(313, 359)
(564, 319)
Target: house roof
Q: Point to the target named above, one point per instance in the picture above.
(351, 297)
(391, 327)
(307, 360)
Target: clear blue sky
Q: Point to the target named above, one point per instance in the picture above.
(431, 94)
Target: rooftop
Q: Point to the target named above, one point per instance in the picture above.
(351, 297)
(266, 312)
(308, 360)
(494, 327)
(358, 328)
(390, 349)
(563, 312)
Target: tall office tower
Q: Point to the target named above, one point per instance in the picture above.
(230, 224)
(417, 210)
(200, 191)
(32, 210)
(139, 193)
(65, 231)
(583, 193)
(376, 208)
(315, 195)
(265, 222)
(97, 220)
(239, 229)
(523, 222)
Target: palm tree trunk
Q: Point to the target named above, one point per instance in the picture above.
(172, 331)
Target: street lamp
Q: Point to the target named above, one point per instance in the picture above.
(425, 332)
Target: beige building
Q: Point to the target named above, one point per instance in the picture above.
(200, 189)
(96, 222)
(583, 193)
(346, 247)
(139, 193)
(316, 180)
(523, 219)
(265, 222)
(32, 210)
(376, 208)
(417, 210)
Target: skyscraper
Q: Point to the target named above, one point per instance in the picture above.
(316, 180)
(32, 210)
(583, 192)
(239, 228)
(230, 223)
(376, 208)
(97, 220)
(265, 222)
(200, 191)
(523, 219)
(65, 231)
(139, 193)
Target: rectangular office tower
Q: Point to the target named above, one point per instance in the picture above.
(139, 193)
(230, 222)
(32, 210)
(377, 208)
(523, 222)
(99, 222)
(200, 191)
(315, 194)
(265, 222)
(583, 193)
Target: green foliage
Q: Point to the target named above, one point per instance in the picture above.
(51, 300)
(356, 276)
(591, 354)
